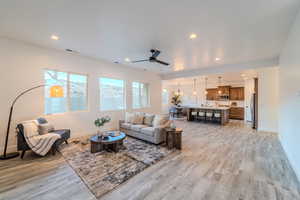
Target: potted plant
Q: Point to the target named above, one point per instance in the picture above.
(176, 100)
(100, 122)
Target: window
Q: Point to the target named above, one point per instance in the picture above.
(140, 95)
(165, 97)
(78, 92)
(112, 95)
(75, 92)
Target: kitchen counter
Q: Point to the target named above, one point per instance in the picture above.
(209, 108)
(224, 111)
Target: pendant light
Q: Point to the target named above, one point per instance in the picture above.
(206, 79)
(194, 90)
(219, 91)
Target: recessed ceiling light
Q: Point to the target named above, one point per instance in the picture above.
(217, 59)
(127, 59)
(193, 36)
(54, 37)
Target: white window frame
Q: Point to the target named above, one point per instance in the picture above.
(162, 97)
(140, 99)
(124, 93)
(68, 91)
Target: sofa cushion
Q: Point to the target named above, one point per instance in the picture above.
(126, 125)
(138, 127)
(160, 120)
(148, 131)
(148, 119)
(138, 118)
(129, 117)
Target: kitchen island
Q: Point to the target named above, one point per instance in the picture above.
(213, 114)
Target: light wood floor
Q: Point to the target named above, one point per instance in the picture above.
(231, 162)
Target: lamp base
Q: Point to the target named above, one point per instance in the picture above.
(9, 156)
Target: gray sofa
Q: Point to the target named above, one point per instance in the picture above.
(153, 133)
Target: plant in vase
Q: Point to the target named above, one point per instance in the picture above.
(100, 122)
(176, 100)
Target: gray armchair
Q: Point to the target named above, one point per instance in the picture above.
(23, 146)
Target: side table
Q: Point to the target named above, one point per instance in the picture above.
(173, 138)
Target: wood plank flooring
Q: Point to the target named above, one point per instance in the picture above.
(41, 178)
(231, 162)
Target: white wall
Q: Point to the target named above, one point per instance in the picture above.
(249, 91)
(268, 99)
(289, 96)
(21, 67)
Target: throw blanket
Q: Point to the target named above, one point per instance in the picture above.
(40, 144)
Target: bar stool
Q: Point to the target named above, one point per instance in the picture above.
(201, 115)
(194, 115)
(209, 116)
(217, 117)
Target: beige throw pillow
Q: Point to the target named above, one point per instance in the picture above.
(138, 118)
(148, 120)
(45, 128)
(160, 120)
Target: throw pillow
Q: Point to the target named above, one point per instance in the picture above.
(138, 118)
(129, 117)
(148, 119)
(42, 120)
(160, 120)
(45, 128)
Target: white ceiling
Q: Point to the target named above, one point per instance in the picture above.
(232, 78)
(235, 31)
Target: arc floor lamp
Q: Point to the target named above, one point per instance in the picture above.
(55, 91)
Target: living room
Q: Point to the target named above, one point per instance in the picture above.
(87, 108)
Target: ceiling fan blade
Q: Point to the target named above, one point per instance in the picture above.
(136, 61)
(155, 53)
(161, 62)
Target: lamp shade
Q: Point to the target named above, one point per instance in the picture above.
(56, 91)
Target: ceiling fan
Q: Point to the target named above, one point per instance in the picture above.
(152, 58)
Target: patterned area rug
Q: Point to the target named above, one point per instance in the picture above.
(104, 171)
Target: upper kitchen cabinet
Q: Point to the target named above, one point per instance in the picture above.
(224, 90)
(224, 94)
(212, 94)
(237, 94)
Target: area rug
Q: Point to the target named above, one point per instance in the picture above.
(104, 171)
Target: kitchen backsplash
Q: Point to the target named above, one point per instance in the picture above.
(226, 103)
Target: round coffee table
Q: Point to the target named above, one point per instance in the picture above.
(112, 143)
